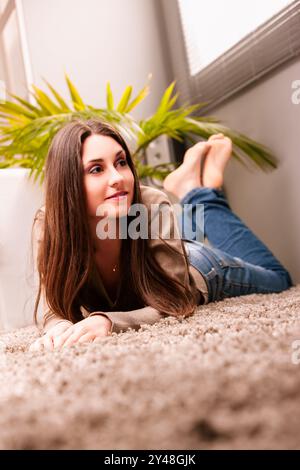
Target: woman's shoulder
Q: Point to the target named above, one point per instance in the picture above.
(38, 224)
(155, 195)
(40, 215)
(40, 211)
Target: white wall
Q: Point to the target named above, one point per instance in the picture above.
(20, 199)
(269, 203)
(96, 41)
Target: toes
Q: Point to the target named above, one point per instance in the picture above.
(200, 149)
(216, 136)
(228, 140)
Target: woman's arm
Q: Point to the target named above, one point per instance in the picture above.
(50, 320)
(122, 321)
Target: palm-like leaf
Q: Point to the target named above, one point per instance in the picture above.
(109, 98)
(76, 98)
(26, 129)
(124, 100)
(63, 105)
(179, 125)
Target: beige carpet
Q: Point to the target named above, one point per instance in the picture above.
(221, 379)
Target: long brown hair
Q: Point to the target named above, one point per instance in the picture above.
(65, 255)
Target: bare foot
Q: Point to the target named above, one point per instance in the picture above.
(216, 161)
(187, 176)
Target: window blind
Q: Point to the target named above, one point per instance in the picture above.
(267, 47)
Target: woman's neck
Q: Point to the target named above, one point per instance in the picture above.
(109, 249)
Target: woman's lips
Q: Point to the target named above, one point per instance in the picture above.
(120, 195)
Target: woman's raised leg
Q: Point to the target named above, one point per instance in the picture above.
(238, 261)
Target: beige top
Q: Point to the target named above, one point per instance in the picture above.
(176, 264)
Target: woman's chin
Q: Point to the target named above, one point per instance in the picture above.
(115, 208)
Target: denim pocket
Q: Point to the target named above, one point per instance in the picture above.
(225, 260)
(233, 288)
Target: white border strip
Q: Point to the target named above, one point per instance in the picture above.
(5, 14)
(25, 47)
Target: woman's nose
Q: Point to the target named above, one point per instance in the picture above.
(114, 176)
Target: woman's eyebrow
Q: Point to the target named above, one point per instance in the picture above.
(102, 160)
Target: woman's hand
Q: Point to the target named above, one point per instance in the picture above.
(85, 331)
(46, 342)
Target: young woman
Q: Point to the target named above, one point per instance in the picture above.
(93, 286)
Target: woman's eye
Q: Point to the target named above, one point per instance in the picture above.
(98, 169)
(92, 170)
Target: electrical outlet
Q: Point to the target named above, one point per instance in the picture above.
(160, 151)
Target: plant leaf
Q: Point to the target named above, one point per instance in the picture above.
(124, 100)
(109, 97)
(140, 97)
(26, 104)
(45, 101)
(14, 109)
(76, 98)
(60, 100)
(164, 103)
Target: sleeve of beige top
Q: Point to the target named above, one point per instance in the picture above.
(122, 321)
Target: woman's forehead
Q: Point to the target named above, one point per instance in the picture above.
(100, 147)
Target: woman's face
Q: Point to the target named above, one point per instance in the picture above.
(106, 172)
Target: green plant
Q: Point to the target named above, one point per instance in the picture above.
(27, 129)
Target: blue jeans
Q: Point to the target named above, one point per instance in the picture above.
(237, 263)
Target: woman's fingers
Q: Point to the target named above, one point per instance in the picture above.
(59, 340)
(36, 346)
(85, 330)
(87, 338)
(79, 337)
(41, 344)
(47, 342)
(60, 328)
(73, 339)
